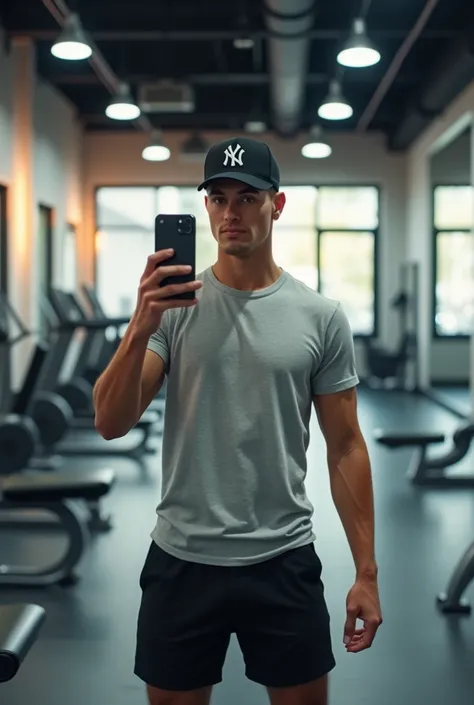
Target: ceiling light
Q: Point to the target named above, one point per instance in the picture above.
(195, 148)
(358, 52)
(72, 44)
(244, 43)
(122, 106)
(255, 126)
(156, 150)
(335, 106)
(317, 147)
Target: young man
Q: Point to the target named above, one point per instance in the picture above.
(246, 360)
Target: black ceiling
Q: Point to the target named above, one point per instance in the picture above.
(143, 41)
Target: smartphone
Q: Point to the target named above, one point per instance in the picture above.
(177, 232)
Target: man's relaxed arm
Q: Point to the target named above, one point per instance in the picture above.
(350, 475)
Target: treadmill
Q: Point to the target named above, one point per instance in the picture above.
(106, 349)
(65, 321)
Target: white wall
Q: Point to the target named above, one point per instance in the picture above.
(57, 164)
(40, 162)
(115, 159)
(452, 165)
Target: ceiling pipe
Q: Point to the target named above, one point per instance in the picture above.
(210, 35)
(392, 71)
(289, 22)
(60, 11)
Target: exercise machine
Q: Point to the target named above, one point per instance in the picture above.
(50, 411)
(383, 364)
(431, 471)
(451, 601)
(77, 391)
(23, 489)
(20, 625)
(109, 347)
(427, 471)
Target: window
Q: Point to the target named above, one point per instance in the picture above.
(295, 237)
(3, 241)
(348, 220)
(125, 237)
(453, 218)
(326, 239)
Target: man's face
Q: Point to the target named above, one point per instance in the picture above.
(241, 217)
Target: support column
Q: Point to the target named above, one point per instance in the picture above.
(419, 249)
(471, 351)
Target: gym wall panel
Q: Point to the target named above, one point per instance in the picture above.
(41, 162)
(115, 159)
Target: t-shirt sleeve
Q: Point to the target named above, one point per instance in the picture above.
(160, 342)
(337, 369)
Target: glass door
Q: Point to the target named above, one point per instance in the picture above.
(44, 263)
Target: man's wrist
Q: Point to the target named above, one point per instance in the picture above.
(368, 571)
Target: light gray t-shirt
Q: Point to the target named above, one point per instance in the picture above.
(242, 370)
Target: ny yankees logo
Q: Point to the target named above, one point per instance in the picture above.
(235, 155)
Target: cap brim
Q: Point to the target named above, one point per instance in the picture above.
(248, 179)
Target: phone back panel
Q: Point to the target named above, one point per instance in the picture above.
(179, 233)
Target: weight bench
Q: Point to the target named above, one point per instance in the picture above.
(426, 471)
(22, 495)
(19, 628)
(149, 421)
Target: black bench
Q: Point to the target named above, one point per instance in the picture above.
(431, 471)
(23, 495)
(19, 628)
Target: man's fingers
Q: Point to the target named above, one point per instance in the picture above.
(363, 638)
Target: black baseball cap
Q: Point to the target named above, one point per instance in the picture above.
(242, 159)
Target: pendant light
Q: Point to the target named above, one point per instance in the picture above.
(335, 106)
(72, 44)
(122, 106)
(156, 150)
(358, 51)
(317, 147)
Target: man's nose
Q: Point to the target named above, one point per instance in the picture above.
(230, 213)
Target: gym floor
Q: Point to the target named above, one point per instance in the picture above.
(86, 648)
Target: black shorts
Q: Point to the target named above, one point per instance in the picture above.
(189, 611)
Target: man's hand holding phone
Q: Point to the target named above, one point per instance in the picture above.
(152, 298)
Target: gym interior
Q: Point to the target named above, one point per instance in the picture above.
(106, 114)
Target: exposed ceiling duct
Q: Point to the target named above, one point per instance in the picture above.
(289, 22)
(451, 74)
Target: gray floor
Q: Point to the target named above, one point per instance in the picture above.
(85, 652)
(457, 398)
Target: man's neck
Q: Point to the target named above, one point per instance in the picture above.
(245, 277)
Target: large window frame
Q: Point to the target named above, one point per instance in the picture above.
(436, 232)
(320, 234)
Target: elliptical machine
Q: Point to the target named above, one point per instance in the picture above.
(385, 365)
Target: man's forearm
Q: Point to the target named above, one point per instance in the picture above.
(352, 492)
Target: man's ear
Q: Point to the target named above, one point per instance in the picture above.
(279, 201)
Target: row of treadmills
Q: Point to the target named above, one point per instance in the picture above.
(43, 425)
(49, 420)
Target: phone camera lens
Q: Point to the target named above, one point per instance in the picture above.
(185, 226)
